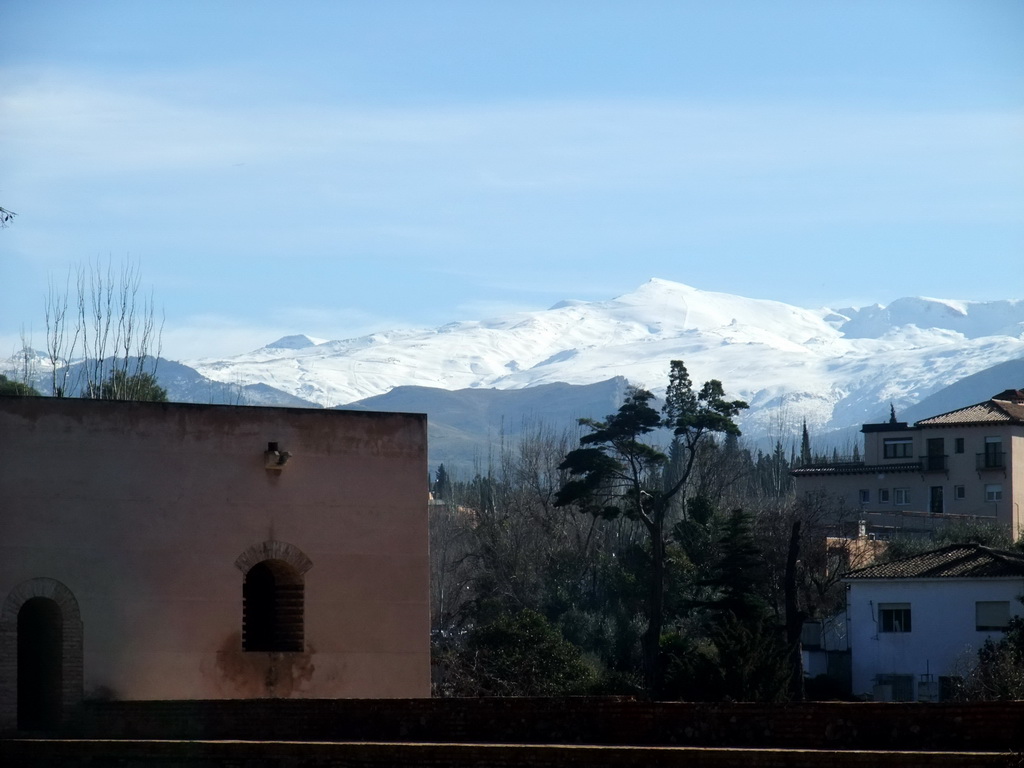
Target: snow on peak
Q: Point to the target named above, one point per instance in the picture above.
(973, 319)
(835, 368)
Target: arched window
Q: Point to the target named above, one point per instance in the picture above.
(40, 664)
(272, 608)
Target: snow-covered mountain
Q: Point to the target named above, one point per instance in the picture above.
(836, 368)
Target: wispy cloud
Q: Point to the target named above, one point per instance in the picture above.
(71, 130)
(518, 197)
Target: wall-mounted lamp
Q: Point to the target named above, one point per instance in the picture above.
(274, 458)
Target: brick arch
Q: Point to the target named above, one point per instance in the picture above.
(40, 587)
(273, 550)
(71, 646)
(273, 597)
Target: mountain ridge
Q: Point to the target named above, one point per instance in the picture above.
(836, 368)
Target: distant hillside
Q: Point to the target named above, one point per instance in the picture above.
(183, 385)
(465, 425)
(969, 390)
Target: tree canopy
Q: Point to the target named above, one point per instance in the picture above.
(121, 385)
(619, 471)
(11, 387)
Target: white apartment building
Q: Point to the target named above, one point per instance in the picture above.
(915, 625)
(967, 464)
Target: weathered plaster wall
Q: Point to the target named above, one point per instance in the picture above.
(141, 510)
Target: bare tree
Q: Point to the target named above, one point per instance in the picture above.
(6, 217)
(60, 348)
(452, 564)
(27, 363)
(105, 320)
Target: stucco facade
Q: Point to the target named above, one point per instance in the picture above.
(213, 551)
(963, 465)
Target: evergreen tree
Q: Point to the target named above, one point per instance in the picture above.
(442, 485)
(740, 572)
(805, 448)
(125, 386)
(11, 387)
(753, 659)
(617, 473)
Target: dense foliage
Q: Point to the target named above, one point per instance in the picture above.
(121, 385)
(999, 672)
(518, 559)
(619, 472)
(11, 387)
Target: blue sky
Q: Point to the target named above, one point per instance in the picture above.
(335, 168)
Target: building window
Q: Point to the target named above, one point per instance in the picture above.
(894, 617)
(883, 495)
(991, 615)
(959, 492)
(994, 492)
(935, 459)
(992, 458)
(865, 496)
(935, 503)
(958, 445)
(272, 608)
(901, 496)
(898, 448)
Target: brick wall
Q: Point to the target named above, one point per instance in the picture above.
(993, 726)
(139, 754)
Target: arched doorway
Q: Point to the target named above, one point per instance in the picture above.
(41, 658)
(273, 608)
(40, 664)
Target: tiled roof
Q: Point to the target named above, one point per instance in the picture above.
(1007, 407)
(955, 561)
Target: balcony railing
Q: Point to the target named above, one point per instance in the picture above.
(991, 460)
(833, 461)
(933, 463)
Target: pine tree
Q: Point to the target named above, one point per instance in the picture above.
(442, 484)
(617, 473)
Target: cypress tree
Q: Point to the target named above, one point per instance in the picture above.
(805, 447)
